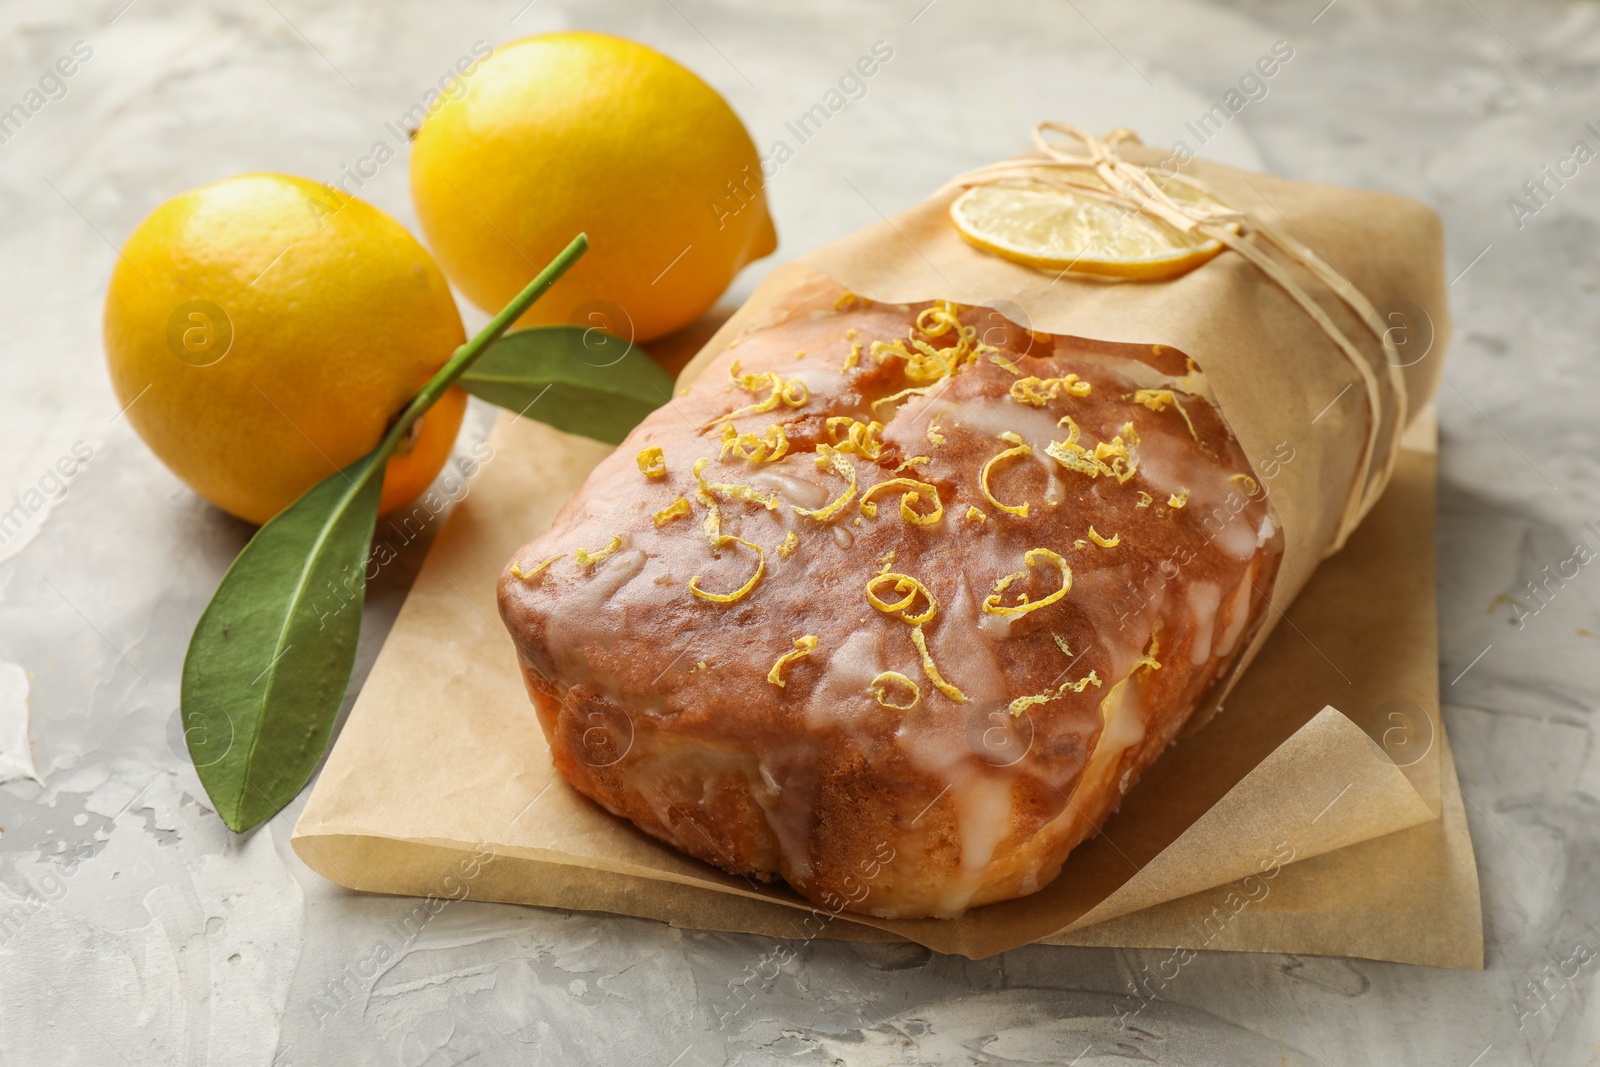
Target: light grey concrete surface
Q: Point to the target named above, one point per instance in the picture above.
(135, 929)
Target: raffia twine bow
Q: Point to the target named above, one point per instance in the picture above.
(1130, 187)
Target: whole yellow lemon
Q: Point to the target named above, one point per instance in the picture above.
(263, 331)
(581, 131)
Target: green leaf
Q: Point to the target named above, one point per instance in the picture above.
(577, 379)
(269, 661)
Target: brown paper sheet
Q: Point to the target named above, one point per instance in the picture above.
(441, 783)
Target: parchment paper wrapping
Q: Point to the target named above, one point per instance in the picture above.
(441, 784)
(442, 763)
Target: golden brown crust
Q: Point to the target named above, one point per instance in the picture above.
(658, 703)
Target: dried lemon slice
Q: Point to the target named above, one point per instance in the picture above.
(1049, 227)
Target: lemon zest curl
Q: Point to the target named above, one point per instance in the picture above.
(992, 605)
(768, 447)
(1018, 450)
(652, 462)
(850, 361)
(1114, 458)
(1022, 704)
(518, 572)
(1040, 391)
(678, 509)
(743, 590)
(859, 437)
(1158, 399)
(1147, 659)
(713, 531)
(803, 647)
(911, 587)
(708, 490)
(586, 558)
(932, 671)
(918, 491)
(782, 392)
(879, 689)
(828, 456)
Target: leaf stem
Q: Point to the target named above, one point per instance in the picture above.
(464, 356)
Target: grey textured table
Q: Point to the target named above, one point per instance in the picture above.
(135, 929)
